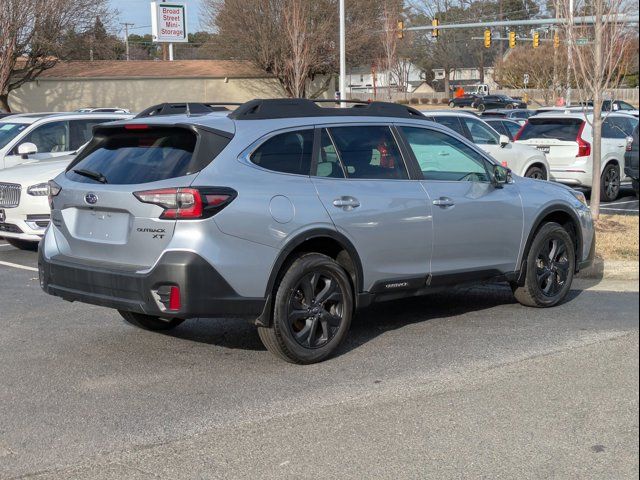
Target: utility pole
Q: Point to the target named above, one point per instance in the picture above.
(569, 52)
(126, 38)
(343, 55)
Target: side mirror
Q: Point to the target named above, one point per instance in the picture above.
(26, 149)
(501, 175)
(504, 141)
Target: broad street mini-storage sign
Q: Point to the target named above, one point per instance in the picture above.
(169, 22)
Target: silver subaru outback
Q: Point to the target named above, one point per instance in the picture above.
(296, 215)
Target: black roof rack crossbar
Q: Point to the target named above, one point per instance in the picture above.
(189, 108)
(265, 109)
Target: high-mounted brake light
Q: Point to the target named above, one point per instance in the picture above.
(584, 147)
(188, 203)
(136, 126)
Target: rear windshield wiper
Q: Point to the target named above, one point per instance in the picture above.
(97, 176)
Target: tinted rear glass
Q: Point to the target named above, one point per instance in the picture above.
(565, 129)
(142, 156)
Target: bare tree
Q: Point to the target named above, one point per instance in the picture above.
(31, 36)
(294, 38)
(598, 52)
(389, 37)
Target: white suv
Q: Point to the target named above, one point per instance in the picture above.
(566, 138)
(37, 136)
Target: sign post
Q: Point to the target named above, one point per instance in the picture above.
(169, 23)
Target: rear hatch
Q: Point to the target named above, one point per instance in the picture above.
(559, 138)
(112, 204)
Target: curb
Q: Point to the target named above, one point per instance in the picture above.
(611, 270)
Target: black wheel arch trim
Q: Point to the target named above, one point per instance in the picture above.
(536, 225)
(264, 320)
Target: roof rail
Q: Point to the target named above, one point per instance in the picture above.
(189, 108)
(264, 109)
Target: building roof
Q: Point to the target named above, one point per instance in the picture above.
(154, 69)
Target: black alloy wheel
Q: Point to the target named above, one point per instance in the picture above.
(610, 188)
(312, 310)
(316, 309)
(552, 266)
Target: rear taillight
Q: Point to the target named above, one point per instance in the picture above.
(53, 190)
(188, 203)
(584, 147)
(629, 145)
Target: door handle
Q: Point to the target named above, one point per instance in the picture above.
(348, 203)
(444, 202)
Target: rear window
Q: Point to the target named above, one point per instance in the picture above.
(124, 157)
(564, 129)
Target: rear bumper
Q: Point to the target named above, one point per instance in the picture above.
(203, 291)
(632, 172)
(574, 179)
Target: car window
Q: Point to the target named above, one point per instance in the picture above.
(614, 127)
(498, 126)
(513, 128)
(452, 122)
(288, 152)
(127, 157)
(481, 133)
(328, 164)
(520, 115)
(443, 157)
(9, 131)
(626, 106)
(564, 129)
(50, 137)
(81, 132)
(369, 152)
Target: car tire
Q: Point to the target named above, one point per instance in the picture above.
(22, 244)
(482, 107)
(550, 268)
(610, 183)
(312, 310)
(510, 106)
(536, 173)
(149, 322)
(452, 105)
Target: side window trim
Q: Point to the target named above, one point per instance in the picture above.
(246, 154)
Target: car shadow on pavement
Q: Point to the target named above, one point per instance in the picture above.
(368, 323)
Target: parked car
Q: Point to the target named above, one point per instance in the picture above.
(614, 106)
(103, 110)
(631, 160)
(498, 101)
(5, 114)
(503, 126)
(519, 115)
(524, 161)
(466, 100)
(297, 215)
(566, 139)
(37, 136)
(24, 206)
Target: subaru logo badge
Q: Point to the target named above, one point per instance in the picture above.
(91, 198)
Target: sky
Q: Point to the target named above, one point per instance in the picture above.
(139, 12)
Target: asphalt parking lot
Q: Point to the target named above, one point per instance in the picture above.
(626, 204)
(463, 385)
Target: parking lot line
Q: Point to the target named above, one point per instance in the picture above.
(622, 203)
(21, 267)
(619, 209)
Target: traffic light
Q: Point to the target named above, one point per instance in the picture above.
(434, 23)
(400, 30)
(487, 38)
(512, 39)
(556, 40)
(536, 40)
